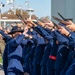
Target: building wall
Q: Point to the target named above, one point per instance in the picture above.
(65, 7)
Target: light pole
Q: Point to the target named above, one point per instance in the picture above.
(27, 5)
(1, 5)
(30, 10)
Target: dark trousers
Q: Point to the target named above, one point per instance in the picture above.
(27, 69)
(15, 73)
(43, 70)
(50, 70)
(58, 71)
(31, 67)
(36, 70)
(50, 66)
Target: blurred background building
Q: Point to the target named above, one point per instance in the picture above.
(65, 7)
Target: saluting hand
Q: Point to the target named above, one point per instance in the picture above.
(67, 22)
(71, 27)
(50, 24)
(63, 31)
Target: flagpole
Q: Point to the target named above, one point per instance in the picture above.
(14, 7)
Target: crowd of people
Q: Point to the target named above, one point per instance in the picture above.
(39, 48)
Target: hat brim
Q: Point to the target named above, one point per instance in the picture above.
(16, 31)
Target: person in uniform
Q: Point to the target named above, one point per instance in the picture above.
(12, 56)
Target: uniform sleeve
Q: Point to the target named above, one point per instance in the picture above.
(29, 54)
(6, 36)
(18, 40)
(62, 39)
(67, 65)
(72, 40)
(5, 60)
(43, 32)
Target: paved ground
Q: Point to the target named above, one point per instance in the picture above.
(1, 72)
